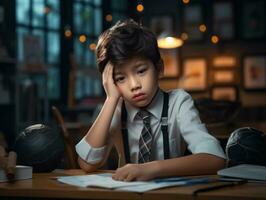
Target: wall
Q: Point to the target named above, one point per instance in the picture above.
(236, 47)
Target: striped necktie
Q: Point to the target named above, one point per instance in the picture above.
(145, 139)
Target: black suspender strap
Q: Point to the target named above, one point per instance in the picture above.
(164, 128)
(124, 132)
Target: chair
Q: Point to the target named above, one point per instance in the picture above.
(71, 156)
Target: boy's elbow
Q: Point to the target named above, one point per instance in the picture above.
(86, 166)
(220, 163)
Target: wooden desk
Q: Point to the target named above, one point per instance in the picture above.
(46, 187)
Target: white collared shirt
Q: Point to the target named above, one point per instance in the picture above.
(184, 127)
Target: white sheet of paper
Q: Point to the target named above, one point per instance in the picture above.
(97, 180)
(105, 181)
(151, 186)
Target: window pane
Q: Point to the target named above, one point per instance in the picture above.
(53, 47)
(22, 11)
(78, 85)
(88, 90)
(87, 20)
(77, 17)
(53, 16)
(98, 21)
(98, 90)
(90, 58)
(78, 50)
(97, 2)
(38, 13)
(83, 19)
(40, 34)
(20, 40)
(53, 82)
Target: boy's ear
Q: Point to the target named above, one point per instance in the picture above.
(160, 68)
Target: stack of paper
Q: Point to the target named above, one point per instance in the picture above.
(105, 181)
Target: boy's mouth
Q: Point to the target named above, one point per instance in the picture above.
(138, 97)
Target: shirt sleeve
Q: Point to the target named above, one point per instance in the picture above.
(90, 154)
(94, 155)
(194, 131)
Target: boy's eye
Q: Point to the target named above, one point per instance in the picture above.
(141, 71)
(119, 79)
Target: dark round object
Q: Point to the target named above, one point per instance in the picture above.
(39, 146)
(246, 146)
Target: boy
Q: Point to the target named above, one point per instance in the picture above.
(148, 127)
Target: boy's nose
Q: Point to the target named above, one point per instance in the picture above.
(134, 84)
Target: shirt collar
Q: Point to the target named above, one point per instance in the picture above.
(155, 108)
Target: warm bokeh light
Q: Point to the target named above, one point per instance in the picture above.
(82, 38)
(185, 1)
(184, 36)
(215, 39)
(140, 7)
(202, 28)
(92, 46)
(169, 42)
(68, 33)
(109, 18)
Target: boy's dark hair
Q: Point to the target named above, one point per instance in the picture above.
(125, 40)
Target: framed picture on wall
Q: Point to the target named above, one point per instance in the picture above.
(224, 77)
(224, 93)
(253, 24)
(192, 19)
(254, 72)
(224, 61)
(171, 62)
(223, 19)
(194, 76)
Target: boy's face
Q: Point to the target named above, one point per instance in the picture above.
(137, 80)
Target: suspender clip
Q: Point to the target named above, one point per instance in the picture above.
(164, 121)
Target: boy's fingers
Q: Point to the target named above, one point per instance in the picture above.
(129, 177)
(105, 71)
(108, 71)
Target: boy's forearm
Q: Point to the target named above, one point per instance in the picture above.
(197, 164)
(98, 133)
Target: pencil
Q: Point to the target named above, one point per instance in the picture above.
(221, 185)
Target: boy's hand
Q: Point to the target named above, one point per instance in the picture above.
(110, 88)
(133, 172)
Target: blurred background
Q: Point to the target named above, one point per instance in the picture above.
(47, 59)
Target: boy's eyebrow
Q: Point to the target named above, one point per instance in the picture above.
(137, 64)
(140, 63)
(117, 72)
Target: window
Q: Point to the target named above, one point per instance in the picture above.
(41, 19)
(87, 19)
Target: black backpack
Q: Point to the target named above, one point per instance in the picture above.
(246, 146)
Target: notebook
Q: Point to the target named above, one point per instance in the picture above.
(245, 171)
(22, 172)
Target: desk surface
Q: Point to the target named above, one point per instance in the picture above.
(45, 186)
